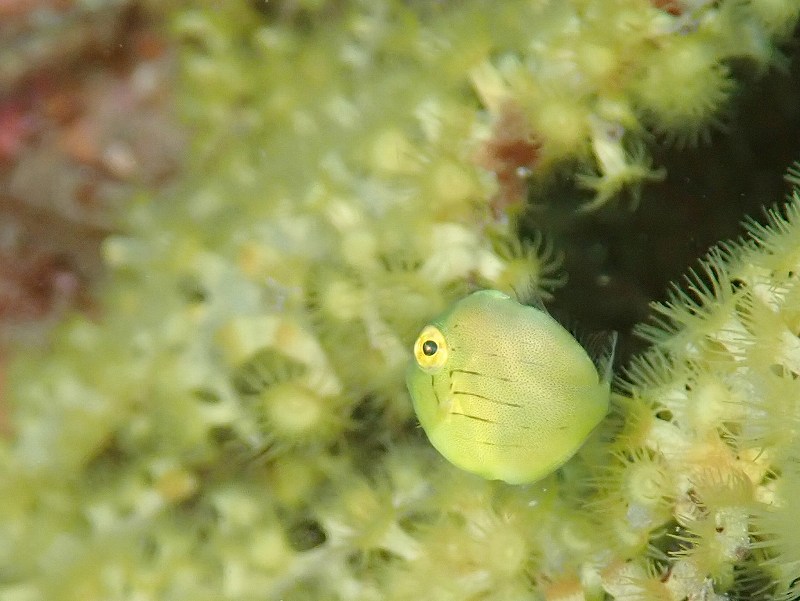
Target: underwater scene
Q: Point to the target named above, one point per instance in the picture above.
(387, 300)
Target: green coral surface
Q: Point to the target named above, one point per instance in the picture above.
(235, 425)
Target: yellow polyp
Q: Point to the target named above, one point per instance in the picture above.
(177, 485)
(452, 184)
(242, 336)
(393, 152)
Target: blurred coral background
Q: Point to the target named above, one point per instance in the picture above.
(86, 118)
(104, 110)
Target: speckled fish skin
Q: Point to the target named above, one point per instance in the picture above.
(505, 391)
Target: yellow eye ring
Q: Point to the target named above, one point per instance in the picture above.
(430, 349)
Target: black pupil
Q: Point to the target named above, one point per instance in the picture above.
(429, 347)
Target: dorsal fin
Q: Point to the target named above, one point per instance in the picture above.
(531, 297)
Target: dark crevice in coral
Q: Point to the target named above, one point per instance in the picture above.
(618, 261)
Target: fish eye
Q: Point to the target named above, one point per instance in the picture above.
(430, 349)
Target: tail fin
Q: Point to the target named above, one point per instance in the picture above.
(601, 347)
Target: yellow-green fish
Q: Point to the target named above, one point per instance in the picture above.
(503, 390)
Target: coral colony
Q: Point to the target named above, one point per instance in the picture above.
(235, 425)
